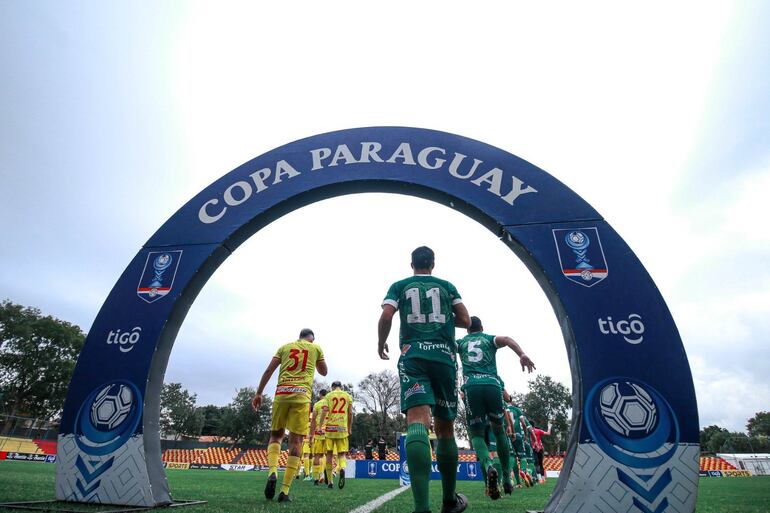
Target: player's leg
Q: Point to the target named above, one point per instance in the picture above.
(493, 402)
(444, 384)
(329, 461)
(277, 430)
(342, 458)
(292, 465)
(476, 418)
(416, 401)
(319, 449)
(307, 460)
(518, 457)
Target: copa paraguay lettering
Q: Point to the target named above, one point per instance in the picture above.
(429, 158)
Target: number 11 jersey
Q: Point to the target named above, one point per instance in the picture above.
(295, 377)
(425, 306)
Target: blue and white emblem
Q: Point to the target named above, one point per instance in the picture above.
(581, 256)
(158, 274)
(372, 468)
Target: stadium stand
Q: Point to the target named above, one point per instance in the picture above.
(217, 456)
(182, 455)
(715, 463)
(25, 445)
(46, 446)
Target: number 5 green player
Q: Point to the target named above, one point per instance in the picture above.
(429, 309)
(484, 398)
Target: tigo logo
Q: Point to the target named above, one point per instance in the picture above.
(632, 329)
(125, 340)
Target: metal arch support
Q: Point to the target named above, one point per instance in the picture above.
(634, 439)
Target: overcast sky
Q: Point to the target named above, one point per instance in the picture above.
(114, 114)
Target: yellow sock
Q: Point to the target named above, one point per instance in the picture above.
(292, 465)
(273, 453)
(341, 462)
(329, 468)
(307, 462)
(316, 471)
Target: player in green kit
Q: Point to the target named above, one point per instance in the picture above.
(484, 398)
(429, 309)
(515, 418)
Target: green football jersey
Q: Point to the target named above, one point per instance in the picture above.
(478, 356)
(516, 413)
(425, 306)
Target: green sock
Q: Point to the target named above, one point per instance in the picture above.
(502, 452)
(418, 457)
(446, 459)
(515, 466)
(482, 451)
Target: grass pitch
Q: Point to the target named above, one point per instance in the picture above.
(242, 492)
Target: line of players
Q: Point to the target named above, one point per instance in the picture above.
(525, 451)
(429, 310)
(494, 422)
(328, 422)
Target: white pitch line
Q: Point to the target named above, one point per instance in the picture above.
(379, 501)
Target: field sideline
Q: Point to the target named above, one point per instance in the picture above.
(241, 492)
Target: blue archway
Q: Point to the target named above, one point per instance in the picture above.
(635, 427)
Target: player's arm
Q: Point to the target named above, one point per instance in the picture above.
(350, 415)
(503, 341)
(383, 330)
(323, 416)
(321, 367)
(257, 401)
(509, 423)
(462, 318)
(312, 428)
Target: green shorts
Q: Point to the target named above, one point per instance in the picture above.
(428, 382)
(483, 404)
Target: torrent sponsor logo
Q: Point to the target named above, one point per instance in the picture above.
(632, 329)
(158, 275)
(125, 340)
(446, 404)
(581, 255)
(415, 389)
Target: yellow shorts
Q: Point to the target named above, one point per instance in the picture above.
(337, 445)
(319, 445)
(291, 416)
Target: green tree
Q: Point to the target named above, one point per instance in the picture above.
(212, 419)
(717, 441)
(707, 433)
(549, 401)
(37, 358)
(759, 424)
(241, 423)
(178, 414)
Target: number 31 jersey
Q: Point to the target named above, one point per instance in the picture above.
(295, 377)
(425, 306)
(339, 403)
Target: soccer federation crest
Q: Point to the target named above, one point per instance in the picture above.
(581, 256)
(158, 274)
